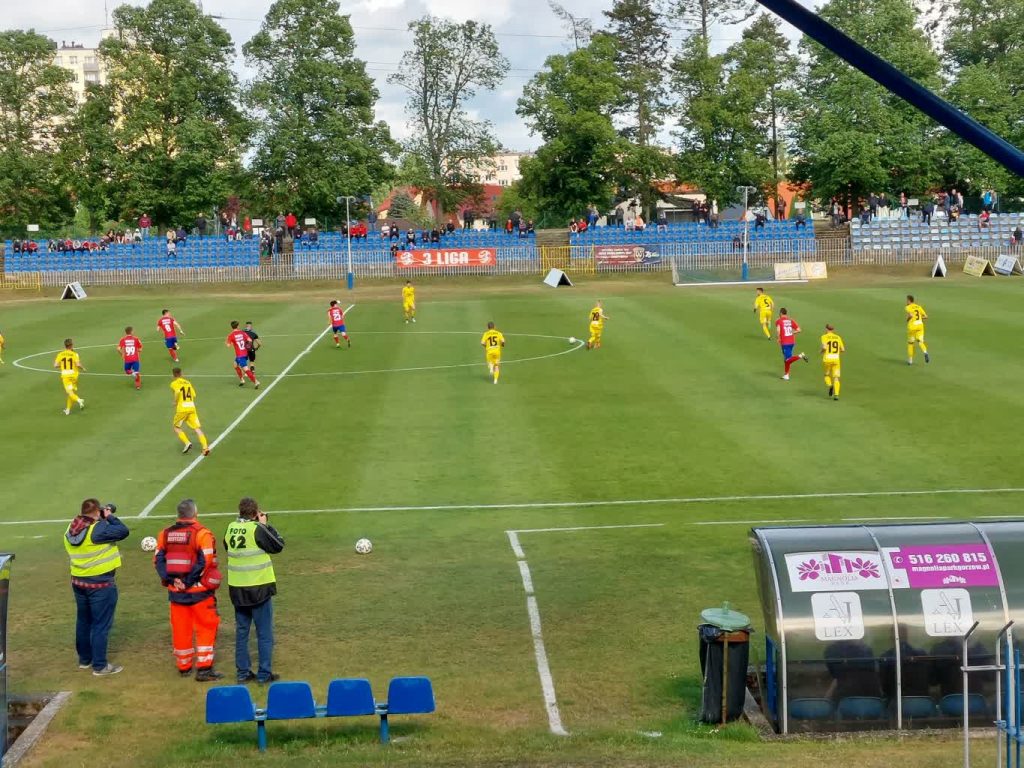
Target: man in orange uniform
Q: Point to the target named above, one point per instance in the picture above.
(186, 561)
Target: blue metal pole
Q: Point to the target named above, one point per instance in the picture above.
(348, 243)
(886, 75)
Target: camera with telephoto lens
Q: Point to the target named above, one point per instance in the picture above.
(109, 509)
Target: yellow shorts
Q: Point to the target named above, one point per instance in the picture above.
(70, 383)
(408, 306)
(765, 317)
(188, 419)
(831, 369)
(915, 334)
(493, 358)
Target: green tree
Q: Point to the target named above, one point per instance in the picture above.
(569, 104)
(95, 156)
(850, 134)
(641, 57)
(704, 13)
(315, 135)
(179, 131)
(35, 106)
(444, 68)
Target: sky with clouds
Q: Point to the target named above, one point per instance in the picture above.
(527, 32)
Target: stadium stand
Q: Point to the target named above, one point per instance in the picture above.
(775, 235)
(349, 697)
(903, 234)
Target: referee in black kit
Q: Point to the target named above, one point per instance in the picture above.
(254, 344)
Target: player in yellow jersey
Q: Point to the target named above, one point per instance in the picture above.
(69, 365)
(831, 348)
(1, 349)
(185, 414)
(915, 329)
(493, 342)
(409, 301)
(597, 318)
(763, 306)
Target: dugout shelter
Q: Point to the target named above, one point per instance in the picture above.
(864, 625)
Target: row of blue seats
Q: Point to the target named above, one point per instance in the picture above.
(662, 237)
(872, 708)
(348, 697)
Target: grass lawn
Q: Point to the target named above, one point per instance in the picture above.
(404, 440)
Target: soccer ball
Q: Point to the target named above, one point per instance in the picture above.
(364, 547)
(572, 339)
(148, 544)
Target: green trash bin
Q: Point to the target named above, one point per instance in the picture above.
(724, 636)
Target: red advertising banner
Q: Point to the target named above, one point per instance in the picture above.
(624, 255)
(446, 258)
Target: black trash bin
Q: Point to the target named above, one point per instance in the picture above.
(724, 651)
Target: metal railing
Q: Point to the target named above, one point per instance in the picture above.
(510, 261)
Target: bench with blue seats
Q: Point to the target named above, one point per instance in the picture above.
(348, 697)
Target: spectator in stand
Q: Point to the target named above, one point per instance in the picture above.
(76, 246)
(16, 246)
(516, 216)
(638, 223)
(835, 212)
(983, 219)
(137, 237)
(314, 236)
(662, 220)
(737, 242)
(949, 202)
(266, 243)
(926, 211)
(468, 217)
(865, 216)
(449, 227)
(529, 226)
(394, 250)
(695, 211)
(279, 222)
(172, 247)
(1016, 237)
(51, 245)
(620, 216)
(705, 213)
(410, 238)
(573, 226)
(959, 199)
(873, 205)
(225, 222)
(592, 215)
(394, 231)
(435, 235)
(522, 228)
(291, 223)
(780, 209)
(904, 206)
(385, 230)
(201, 225)
(760, 219)
(988, 198)
(883, 207)
(954, 213)
(508, 226)
(713, 220)
(801, 220)
(144, 224)
(371, 218)
(247, 227)
(581, 226)
(363, 232)
(279, 235)
(181, 236)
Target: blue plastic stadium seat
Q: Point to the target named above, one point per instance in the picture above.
(861, 708)
(350, 698)
(811, 709)
(410, 696)
(918, 706)
(229, 704)
(952, 705)
(290, 701)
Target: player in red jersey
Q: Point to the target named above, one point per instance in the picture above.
(337, 317)
(129, 347)
(239, 342)
(787, 328)
(172, 331)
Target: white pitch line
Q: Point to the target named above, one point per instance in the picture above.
(609, 503)
(547, 683)
(238, 420)
(586, 528)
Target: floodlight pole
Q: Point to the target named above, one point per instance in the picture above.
(348, 240)
(746, 225)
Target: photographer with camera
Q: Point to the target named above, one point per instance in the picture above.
(249, 542)
(91, 543)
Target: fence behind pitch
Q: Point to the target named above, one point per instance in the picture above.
(704, 262)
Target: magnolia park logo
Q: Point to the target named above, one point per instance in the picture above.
(831, 571)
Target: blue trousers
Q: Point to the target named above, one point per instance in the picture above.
(95, 618)
(262, 616)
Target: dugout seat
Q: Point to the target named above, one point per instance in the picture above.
(233, 704)
(811, 709)
(290, 701)
(918, 707)
(406, 696)
(861, 708)
(952, 705)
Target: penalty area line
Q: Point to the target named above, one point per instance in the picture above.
(238, 420)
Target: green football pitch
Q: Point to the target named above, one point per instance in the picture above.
(631, 474)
